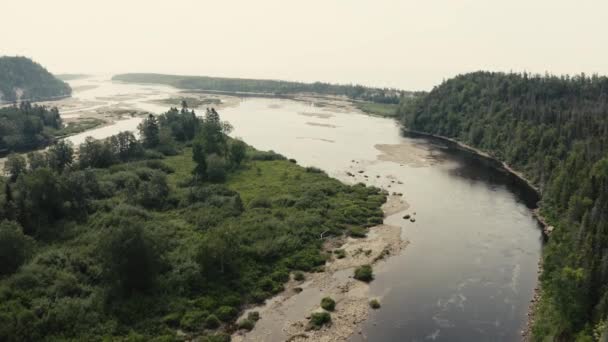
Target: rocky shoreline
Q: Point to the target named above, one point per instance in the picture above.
(285, 317)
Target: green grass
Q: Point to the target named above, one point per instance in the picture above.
(79, 126)
(193, 102)
(266, 244)
(381, 109)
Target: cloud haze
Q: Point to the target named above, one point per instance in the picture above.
(406, 44)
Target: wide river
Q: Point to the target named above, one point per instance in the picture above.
(470, 269)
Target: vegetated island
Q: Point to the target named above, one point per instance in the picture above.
(22, 79)
(378, 101)
(555, 131)
(164, 238)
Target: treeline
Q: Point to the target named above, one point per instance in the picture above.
(26, 127)
(23, 79)
(555, 130)
(355, 92)
(139, 239)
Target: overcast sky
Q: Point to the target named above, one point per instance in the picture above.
(406, 44)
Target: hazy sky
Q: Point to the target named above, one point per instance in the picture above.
(406, 44)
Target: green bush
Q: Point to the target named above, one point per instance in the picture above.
(217, 168)
(217, 337)
(260, 202)
(246, 324)
(374, 304)
(340, 253)
(328, 304)
(357, 232)
(226, 313)
(319, 319)
(193, 320)
(299, 276)
(253, 316)
(15, 247)
(364, 273)
(212, 322)
(173, 319)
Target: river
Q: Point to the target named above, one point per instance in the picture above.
(470, 269)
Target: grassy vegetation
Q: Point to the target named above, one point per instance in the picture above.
(146, 249)
(193, 102)
(328, 304)
(374, 304)
(381, 109)
(79, 126)
(319, 319)
(364, 273)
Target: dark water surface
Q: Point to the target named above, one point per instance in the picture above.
(471, 267)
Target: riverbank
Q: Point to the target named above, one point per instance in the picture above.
(285, 317)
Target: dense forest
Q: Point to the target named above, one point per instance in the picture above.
(26, 127)
(555, 131)
(23, 79)
(162, 238)
(355, 92)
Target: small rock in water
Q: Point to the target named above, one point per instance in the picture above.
(406, 217)
(361, 171)
(412, 220)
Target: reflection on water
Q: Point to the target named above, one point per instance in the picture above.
(471, 267)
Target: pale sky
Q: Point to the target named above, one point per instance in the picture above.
(406, 44)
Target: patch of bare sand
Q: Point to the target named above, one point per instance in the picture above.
(318, 139)
(316, 115)
(394, 204)
(321, 124)
(285, 317)
(412, 155)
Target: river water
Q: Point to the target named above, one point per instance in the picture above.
(470, 269)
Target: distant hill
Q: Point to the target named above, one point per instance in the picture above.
(23, 79)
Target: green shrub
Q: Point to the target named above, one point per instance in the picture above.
(319, 319)
(246, 324)
(205, 303)
(340, 253)
(226, 313)
(193, 320)
(217, 168)
(217, 337)
(312, 169)
(15, 247)
(212, 322)
(173, 319)
(299, 276)
(265, 155)
(374, 304)
(260, 202)
(364, 273)
(357, 232)
(328, 304)
(253, 316)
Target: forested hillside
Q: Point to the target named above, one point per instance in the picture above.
(23, 79)
(554, 130)
(356, 92)
(166, 238)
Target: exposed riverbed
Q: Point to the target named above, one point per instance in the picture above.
(470, 268)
